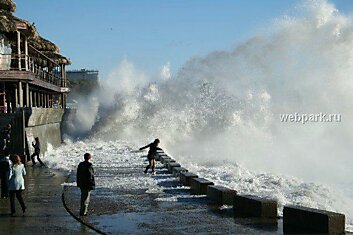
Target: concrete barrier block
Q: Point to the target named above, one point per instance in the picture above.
(199, 186)
(162, 155)
(185, 178)
(167, 161)
(165, 158)
(253, 206)
(178, 170)
(297, 219)
(171, 165)
(221, 195)
(158, 157)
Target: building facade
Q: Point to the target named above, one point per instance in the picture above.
(33, 82)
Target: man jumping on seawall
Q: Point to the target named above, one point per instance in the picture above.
(151, 156)
(86, 182)
(36, 146)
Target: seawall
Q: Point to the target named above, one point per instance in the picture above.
(45, 124)
(28, 123)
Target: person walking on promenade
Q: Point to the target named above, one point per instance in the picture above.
(6, 138)
(36, 146)
(86, 182)
(5, 168)
(151, 156)
(17, 183)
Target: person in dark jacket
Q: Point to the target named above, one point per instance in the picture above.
(6, 138)
(36, 146)
(5, 168)
(151, 156)
(85, 181)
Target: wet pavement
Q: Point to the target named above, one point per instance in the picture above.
(45, 212)
(124, 210)
(173, 211)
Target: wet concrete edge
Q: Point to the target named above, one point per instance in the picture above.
(74, 216)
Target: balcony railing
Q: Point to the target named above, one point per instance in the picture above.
(44, 67)
(27, 63)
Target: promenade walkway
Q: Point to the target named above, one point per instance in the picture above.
(124, 210)
(134, 210)
(45, 212)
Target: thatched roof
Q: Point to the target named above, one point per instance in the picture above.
(7, 5)
(51, 59)
(10, 23)
(43, 44)
(57, 58)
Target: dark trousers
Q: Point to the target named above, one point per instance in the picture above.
(85, 196)
(18, 194)
(34, 160)
(4, 187)
(151, 163)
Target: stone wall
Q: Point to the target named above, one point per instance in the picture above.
(45, 124)
(68, 122)
(42, 116)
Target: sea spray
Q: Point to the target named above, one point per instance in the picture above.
(227, 105)
(225, 108)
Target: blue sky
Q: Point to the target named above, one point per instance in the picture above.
(150, 33)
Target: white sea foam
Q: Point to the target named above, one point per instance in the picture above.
(120, 154)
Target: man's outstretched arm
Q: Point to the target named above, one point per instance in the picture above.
(145, 147)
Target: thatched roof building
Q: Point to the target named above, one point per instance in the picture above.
(59, 59)
(8, 5)
(10, 24)
(43, 44)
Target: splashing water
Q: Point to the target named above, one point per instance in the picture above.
(220, 114)
(227, 105)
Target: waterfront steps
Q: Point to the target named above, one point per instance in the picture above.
(185, 178)
(199, 186)
(253, 206)
(220, 194)
(298, 219)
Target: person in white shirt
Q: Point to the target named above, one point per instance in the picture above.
(17, 183)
